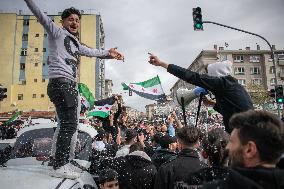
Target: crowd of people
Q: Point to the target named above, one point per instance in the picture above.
(140, 154)
(154, 156)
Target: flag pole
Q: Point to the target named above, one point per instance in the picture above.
(161, 84)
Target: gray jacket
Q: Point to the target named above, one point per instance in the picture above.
(64, 48)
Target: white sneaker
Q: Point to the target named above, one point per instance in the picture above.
(67, 171)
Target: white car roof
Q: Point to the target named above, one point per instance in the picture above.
(28, 173)
(82, 127)
(8, 141)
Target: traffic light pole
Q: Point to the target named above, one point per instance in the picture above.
(270, 46)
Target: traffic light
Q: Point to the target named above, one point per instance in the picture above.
(130, 92)
(2, 93)
(197, 19)
(279, 93)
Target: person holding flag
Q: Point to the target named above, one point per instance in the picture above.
(65, 50)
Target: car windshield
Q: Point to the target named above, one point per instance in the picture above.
(38, 142)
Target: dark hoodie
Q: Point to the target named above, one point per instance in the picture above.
(135, 170)
(230, 96)
(251, 178)
(176, 171)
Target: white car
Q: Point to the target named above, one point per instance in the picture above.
(28, 167)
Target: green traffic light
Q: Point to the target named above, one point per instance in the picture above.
(198, 26)
(280, 100)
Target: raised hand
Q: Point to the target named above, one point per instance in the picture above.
(154, 60)
(115, 54)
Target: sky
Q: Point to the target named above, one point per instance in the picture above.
(164, 27)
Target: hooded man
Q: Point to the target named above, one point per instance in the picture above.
(231, 97)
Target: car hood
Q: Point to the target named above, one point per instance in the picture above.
(22, 173)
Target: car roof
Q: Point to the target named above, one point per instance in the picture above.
(82, 127)
(8, 141)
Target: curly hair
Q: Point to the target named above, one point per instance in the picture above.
(214, 145)
(67, 12)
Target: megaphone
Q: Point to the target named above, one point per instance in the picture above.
(189, 95)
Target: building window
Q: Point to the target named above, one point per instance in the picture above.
(270, 59)
(256, 81)
(25, 37)
(272, 81)
(44, 50)
(20, 97)
(239, 70)
(242, 82)
(24, 82)
(254, 58)
(34, 95)
(22, 66)
(281, 56)
(45, 35)
(271, 70)
(26, 22)
(37, 35)
(238, 58)
(255, 70)
(35, 80)
(36, 64)
(42, 96)
(43, 80)
(24, 52)
(36, 49)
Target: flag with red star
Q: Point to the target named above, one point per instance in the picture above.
(102, 108)
(150, 89)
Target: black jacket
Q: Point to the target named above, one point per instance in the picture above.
(161, 156)
(251, 178)
(202, 177)
(136, 171)
(230, 96)
(173, 172)
(98, 157)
